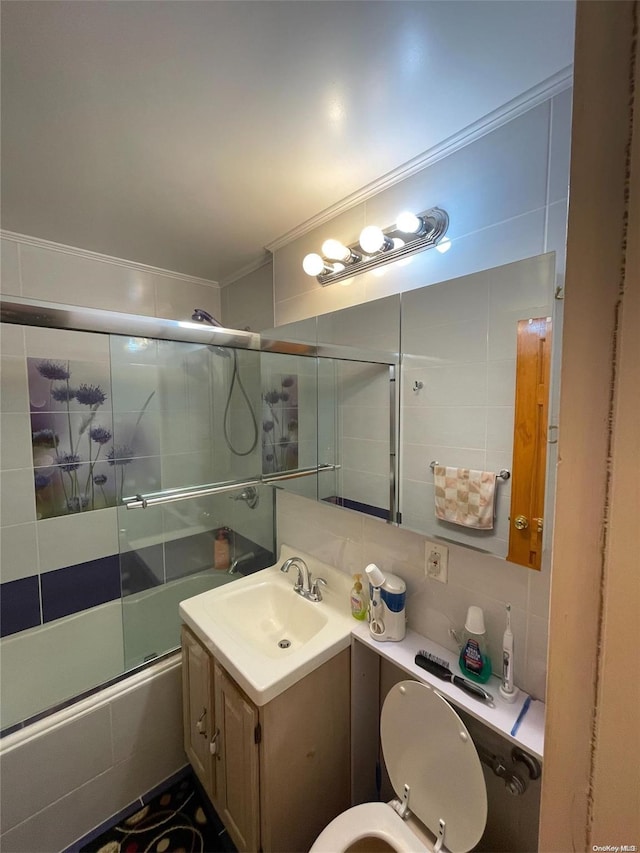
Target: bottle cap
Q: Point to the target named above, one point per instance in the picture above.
(376, 577)
(475, 620)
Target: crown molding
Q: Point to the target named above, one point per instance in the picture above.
(508, 112)
(39, 243)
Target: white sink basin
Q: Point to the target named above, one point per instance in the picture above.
(272, 618)
(266, 635)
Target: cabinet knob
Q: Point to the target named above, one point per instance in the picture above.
(521, 522)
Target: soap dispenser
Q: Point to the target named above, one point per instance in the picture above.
(474, 658)
(358, 601)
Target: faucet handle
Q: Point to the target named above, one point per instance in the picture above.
(316, 594)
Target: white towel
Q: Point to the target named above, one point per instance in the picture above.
(465, 497)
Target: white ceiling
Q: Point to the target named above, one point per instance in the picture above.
(189, 135)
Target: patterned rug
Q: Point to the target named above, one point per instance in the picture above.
(179, 820)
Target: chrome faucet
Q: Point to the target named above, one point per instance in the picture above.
(306, 585)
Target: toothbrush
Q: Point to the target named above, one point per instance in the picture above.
(440, 668)
(507, 690)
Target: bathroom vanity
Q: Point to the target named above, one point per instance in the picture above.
(260, 765)
(266, 700)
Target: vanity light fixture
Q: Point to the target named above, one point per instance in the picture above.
(412, 233)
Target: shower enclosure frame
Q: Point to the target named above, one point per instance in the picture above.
(51, 315)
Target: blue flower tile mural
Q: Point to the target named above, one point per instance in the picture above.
(280, 425)
(78, 464)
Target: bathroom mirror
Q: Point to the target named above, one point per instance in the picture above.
(457, 342)
(459, 348)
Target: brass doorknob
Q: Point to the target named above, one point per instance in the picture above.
(521, 522)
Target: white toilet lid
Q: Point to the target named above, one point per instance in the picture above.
(427, 746)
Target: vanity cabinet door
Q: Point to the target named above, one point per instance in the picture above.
(198, 709)
(237, 762)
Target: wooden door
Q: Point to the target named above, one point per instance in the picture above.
(197, 698)
(237, 763)
(530, 442)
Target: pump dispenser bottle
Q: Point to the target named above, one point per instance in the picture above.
(474, 657)
(358, 600)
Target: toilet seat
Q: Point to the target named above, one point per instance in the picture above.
(427, 747)
(436, 773)
(369, 821)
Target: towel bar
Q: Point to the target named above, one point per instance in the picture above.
(503, 474)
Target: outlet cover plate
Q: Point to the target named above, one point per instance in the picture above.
(436, 561)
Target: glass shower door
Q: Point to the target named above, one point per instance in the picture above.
(185, 415)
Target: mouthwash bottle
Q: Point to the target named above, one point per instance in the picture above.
(474, 658)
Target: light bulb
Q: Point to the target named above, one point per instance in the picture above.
(335, 250)
(398, 243)
(313, 264)
(444, 245)
(372, 239)
(409, 223)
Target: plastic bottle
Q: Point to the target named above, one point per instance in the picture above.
(221, 550)
(358, 601)
(474, 658)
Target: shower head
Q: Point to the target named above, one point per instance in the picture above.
(203, 316)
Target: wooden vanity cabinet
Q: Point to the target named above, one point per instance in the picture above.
(276, 774)
(197, 709)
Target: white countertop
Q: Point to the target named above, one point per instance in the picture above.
(501, 717)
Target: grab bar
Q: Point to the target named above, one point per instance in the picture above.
(188, 493)
(503, 474)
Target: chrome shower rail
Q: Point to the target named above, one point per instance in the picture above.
(190, 492)
(54, 315)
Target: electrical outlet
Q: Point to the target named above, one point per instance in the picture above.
(437, 560)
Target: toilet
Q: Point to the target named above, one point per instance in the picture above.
(436, 773)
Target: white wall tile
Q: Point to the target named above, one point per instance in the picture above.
(462, 302)
(63, 658)
(18, 552)
(177, 298)
(9, 268)
(319, 300)
(560, 152)
(534, 675)
(14, 396)
(448, 426)
(557, 237)
(248, 302)
(142, 717)
(71, 539)
(501, 382)
(489, 575)
(41, 772)
(17, 497)
(478, 185)
(12, 340)
(15, 436)
(63, 345)
(95, 793)
(60, 276)
(500, 428)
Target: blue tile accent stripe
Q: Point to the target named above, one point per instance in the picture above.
(66, 591)
(79, 587)
(19, 605)
(367, 509)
